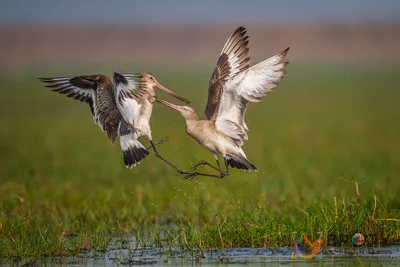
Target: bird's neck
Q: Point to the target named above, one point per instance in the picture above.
(146, 87)
(144, 91)
(191, 122)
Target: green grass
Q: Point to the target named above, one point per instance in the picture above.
(65, 190)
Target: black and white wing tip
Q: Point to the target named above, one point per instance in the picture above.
(126, 79)
(71, 87)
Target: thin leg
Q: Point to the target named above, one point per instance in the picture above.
(158, 142)
(166, 161)
(203, 163)
(219, 166)
(193, 175)
(225, 173)
(226, 166)
(218, 169)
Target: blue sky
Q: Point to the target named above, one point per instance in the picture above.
(30, 12)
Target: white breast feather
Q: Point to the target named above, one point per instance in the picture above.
(130, 110)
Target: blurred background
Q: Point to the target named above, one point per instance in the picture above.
(333, 120)
(62, 34)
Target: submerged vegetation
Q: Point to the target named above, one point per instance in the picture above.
(326, 143)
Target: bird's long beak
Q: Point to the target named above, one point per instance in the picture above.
(171, 93)
(166, 103)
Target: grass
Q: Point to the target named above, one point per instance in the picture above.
(326, 144)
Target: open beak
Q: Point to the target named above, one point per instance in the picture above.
(171, 93)
(168, 104)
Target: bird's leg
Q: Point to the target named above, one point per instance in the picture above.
(225, 173)
(196, 174)
(203, 163)
(193, 175)
(218, 169)
(226, 166)
(166, 161)
(158, 142)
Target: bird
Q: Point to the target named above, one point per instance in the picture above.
(233, 84)
(99, 92)
(135, 97)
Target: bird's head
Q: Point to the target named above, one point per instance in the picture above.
(148, 80)
(186, 111)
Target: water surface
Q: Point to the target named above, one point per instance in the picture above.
(384, 256)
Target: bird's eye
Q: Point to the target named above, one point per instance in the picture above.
(152, 77)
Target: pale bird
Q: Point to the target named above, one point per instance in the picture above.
(135, 98)
(232, 86)
(107, 109)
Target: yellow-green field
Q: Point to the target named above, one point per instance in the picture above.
(326, 143)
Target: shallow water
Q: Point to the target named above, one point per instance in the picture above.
(385, 256)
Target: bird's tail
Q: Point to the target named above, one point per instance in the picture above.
(134, 152)
(240, 162)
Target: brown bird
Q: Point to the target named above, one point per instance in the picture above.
(232, 86)
(110, 106)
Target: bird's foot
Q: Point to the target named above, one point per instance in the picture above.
(199, 164)
(157, 143)
(180, 171)
(162, 140)
(196, 175)
(191, 176)
(223, 174)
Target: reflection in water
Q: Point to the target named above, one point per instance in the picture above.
(237, 257)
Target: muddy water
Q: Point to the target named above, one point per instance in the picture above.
(387, 256)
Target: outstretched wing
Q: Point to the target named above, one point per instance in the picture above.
(233, 60)
(97, 91)
(80, 88)
(260, 79)
(249, 86)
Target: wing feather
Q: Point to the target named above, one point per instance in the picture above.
(127, 90)
(233, 60)
(260, 79)
(97, 91)
(248, 86)
(81, 86)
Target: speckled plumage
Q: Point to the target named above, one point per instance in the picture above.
(232, 86)
(96, 90)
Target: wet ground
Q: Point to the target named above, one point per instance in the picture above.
(385, 256)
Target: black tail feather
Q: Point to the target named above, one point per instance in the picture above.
(134, 155)
(241, 166)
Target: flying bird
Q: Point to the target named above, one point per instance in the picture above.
(104, 100)
(232, 86)
(135, 97)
